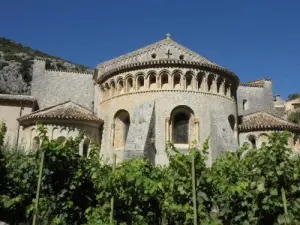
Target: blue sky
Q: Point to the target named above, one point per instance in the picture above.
(254, 38)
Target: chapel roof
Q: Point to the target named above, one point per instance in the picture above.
(163, 51)
(265, 121)
(63, 111)
(256, 83)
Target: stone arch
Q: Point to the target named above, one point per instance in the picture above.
(152, 80)
(189, 77)
(55, 132)
(112, 88)
(220, 81)
(140, 82)
(121, 128)
(227, 90)
(200, 81)
(35, 143)
(176, 79)
(181, 127)
(210, 81)
(107, 89)
(85, 147)
(252, 139)
(245, 105)
(231, 120)
(164, 79)
(120, 85)
(263, 138)
(129, 84)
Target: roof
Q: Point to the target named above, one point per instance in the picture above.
(265, 121)
(256, 83)
(7, 97)
(165, 50)
(64, 111)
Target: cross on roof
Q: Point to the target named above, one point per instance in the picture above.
(168, 36)
(168, 53)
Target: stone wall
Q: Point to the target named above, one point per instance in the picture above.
(258, 98)
(203, 105)
(54, 87)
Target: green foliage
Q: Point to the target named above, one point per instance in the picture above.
(294, 117)
(294, 96)
(250, 186)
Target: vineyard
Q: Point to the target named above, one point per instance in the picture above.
(250, 186)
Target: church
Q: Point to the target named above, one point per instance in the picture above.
(133, 105)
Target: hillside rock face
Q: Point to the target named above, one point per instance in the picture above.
(16, 66)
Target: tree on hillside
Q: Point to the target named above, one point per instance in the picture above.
(294, 96)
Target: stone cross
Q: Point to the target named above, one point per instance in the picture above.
(168, 54)
(168, 36)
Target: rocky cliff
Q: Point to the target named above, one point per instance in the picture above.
(16, 66)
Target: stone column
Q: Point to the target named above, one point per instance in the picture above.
(157, 81)
(214, 86)
(183, 82)
(196, 126)
(167, 129)
(112, 134)
(228, 93)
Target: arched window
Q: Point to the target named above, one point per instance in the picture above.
(140, 83)
(252, 140)
(188, 80)
(210, 80)
(176, 81)
(85, 147)
(181, 123)
(219, 83)
(164, 81)
(120, 86)
(245, 104)
(112, 88)
(231, 120)
(263, 138)
(35, 143)
(60, 139)
(129, 83)
(121, 127)
(152, 81)
(200, 79)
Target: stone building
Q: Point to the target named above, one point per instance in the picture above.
(136, 103)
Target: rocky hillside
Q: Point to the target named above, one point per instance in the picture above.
(16, 66)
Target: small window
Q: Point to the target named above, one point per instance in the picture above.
(85, 148)
(252, 140)
(153, 56)
(231, 120)
(181, 57)
(181, 128)
(152, 81)
(140, 83)
(245, 104)
(164, 81)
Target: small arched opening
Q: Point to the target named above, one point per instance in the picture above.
(188, 80)
(129, 84)
(121, 128)
(200, 79)
(219, 83)
(176, 81)
(152, 81)
(85, 147)
(245, 104)
(140, 83)
(231, 120)
(35, 144)
(252, 141)
(164, 80)
(210, 80)
(120, 86)
(112, 88)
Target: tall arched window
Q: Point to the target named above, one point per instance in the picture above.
(85, 147)
(112, 88)
(181, 124)
(120, 87)
(121, 128)
(200, 80)
(152, 81)
(210, 80)
(35, 143)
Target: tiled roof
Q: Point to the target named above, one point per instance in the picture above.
(265, 121)
(256, 83)
(64, 111)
